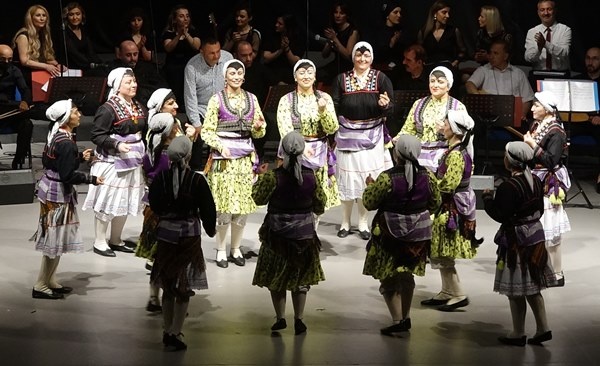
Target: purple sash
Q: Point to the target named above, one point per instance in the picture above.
(126, 161)
(292, 226)
(50, 188)
(562, 174)
(431, 153)
(359, 135)
(320, 155)
(239, 147)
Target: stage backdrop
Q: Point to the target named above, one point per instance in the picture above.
(105, 18)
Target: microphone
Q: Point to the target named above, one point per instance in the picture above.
(98, 66)
(322, 39)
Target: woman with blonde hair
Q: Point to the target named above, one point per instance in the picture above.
(490, 30)
(33, 44)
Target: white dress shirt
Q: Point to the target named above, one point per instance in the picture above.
(558, 47)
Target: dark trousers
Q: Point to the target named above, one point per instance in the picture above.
(197, 160)
(23, 127)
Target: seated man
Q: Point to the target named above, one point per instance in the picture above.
(592, 125)
(11, 80)
(415, 77)
(499, 77)
(146, 73)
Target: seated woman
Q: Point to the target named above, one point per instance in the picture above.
(80, 50)
(242, 31)
(341, 36)
(33, 44)
(490, 30)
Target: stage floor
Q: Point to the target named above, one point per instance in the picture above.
(104, 321)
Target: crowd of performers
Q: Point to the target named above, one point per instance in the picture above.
(334, 150)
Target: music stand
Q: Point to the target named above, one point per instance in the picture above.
(270, 109)
(403, 102)
(490, 111)
(89, 90)
(587, 92)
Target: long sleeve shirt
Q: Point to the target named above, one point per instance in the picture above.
(201, 82)
(558, 47)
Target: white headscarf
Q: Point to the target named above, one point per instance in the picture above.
(548, 100)
(232, 62)
(461, 124)
(59, 112)
(302, 61)
(156, 101)
(160, 125)
(447, 73)
(360, 45)
(114, 79)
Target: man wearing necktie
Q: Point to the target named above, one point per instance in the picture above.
(547, 44)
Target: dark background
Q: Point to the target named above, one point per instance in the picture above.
(105, 18)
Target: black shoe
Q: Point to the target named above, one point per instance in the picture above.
(343, 233)
(153, 308)
(559, 283)
(403, 326)
(597, 187)
(434, 302)
(513, 341)
(148, 266)
(539, 339)
(364, 235)
(222, 263)
(130, 244)
(456, 305)
(299, 327)
(174, 344)
(121, 248)
(238, 261)
(43, 295)
(62, 290)
(165, 339)
(106, 253)
(279, 324)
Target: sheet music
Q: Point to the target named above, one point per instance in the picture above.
(573, 95)
(68, 73)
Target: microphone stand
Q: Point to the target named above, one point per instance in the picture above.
(155, 56)
(64, 38)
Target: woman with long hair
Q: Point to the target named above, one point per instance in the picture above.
(33, 44)
(341, 35)
(490, 30)
(80, 50)
(442, 41)
(181, 42)
(243, 30)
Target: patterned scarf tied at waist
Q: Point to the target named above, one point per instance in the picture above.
(359, 135)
